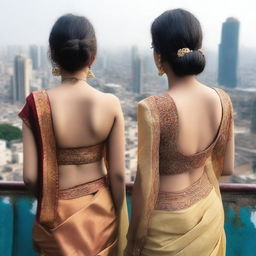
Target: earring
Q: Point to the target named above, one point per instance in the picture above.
(160, 67)
(161, 72)
(90, 74)
(56, 71)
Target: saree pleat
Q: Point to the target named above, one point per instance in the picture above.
(85, 225)
(197, 230)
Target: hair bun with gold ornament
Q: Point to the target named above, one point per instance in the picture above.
(181, 52)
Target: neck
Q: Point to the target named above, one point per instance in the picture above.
(79, 75)
(174, 81)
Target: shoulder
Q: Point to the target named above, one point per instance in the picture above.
(226, 100)
(32, 94)
(148, 106)
(111, 101)
(106, 97)
(147, 102)
(111, 97)
(154, 102)
(222, 93)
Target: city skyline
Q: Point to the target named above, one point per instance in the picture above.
(129, 73)
(119, 23)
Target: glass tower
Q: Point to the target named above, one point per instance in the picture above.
(22, 77)
(228, 53)
(136, 71)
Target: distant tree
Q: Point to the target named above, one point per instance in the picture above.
(9, 132)
(253, 117)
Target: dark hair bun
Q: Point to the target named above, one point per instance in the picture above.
(191, 63)
(174, 30)
(72, 42)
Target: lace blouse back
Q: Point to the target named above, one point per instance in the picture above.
(171, 160)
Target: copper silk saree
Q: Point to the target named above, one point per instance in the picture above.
(76, 221)
(192, 231)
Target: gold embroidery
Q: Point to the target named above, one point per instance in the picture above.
(173, 201)
(138, 239)
(50, 174)
(82, 155)
(219, 149)
(83, 189)
(171, 161)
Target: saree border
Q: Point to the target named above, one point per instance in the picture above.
(218, 153)
(152, 197)
(49, 176)
(155, 153)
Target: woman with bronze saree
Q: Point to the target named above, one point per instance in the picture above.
(185, 143)
(73, 137)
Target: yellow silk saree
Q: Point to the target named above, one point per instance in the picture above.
(196, 230)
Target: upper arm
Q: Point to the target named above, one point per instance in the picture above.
(229, 157)
(30, 158)
(116, 141)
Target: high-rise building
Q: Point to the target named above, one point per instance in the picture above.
(228, 53)
(136, 71)
(22, 77)
(34, 55)
(253, 117)
(44, 62)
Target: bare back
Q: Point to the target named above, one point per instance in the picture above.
(82, 116)
(199, 117)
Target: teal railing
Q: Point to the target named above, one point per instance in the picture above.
(17, 211)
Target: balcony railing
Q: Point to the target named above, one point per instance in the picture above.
(17, 210)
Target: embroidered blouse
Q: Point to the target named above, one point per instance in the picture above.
(158, 155)
(171, 160)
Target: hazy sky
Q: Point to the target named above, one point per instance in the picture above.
(121, 23)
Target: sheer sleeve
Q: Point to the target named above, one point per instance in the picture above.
(146, 185)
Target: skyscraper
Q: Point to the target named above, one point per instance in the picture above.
(22, 77)
(253, 117)
(228, 53)
(44, 62)
(34, 55)
(136, 71)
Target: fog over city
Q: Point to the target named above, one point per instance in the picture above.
(125, 66)
(120, 23)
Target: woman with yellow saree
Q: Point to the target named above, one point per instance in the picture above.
(185, 142)
(73, 137)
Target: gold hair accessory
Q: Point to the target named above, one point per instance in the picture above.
(201, 51)
(90, 74)
(160, 67)
(181, 52)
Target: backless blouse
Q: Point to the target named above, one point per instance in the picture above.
(158, 155)
(171, 160)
